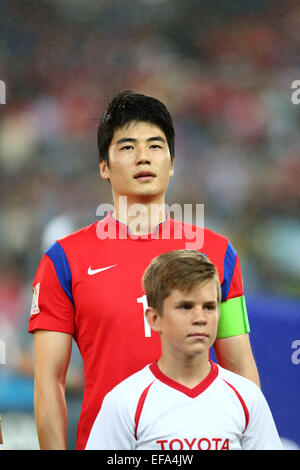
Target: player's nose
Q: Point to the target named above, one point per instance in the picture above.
(142, 156)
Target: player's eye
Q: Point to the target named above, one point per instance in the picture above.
(126, 147)
(156, 146)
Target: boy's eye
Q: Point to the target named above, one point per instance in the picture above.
(186, 306)
(210, 307)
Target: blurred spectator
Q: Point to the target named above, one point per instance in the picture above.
(223, 82)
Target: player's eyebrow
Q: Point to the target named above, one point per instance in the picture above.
(159, 138)
(131, 139)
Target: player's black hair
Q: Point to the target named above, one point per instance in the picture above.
(128, 106)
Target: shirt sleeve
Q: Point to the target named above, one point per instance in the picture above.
(233, 311)
(52, 304)
(261, 432)
(113, 428)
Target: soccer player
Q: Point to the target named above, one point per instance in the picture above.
(88, 284)
(184, 400)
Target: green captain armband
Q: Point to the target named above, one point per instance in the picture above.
(233, 319)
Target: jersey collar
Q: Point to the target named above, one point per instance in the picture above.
(123, 229)
(191, 392)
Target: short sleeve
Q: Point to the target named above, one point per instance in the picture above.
(233, 311)
(52, 304)
(261, 432)
(232, 285)
(113, 428)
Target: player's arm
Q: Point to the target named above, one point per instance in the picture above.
(52, 323)
(232, 346)
(52, 352)
(234, 353)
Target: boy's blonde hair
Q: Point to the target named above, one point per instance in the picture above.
(178, 269)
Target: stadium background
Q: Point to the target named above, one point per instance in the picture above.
(224, 69)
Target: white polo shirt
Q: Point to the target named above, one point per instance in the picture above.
(149, 410)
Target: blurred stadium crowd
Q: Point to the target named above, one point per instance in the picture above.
(225, 72)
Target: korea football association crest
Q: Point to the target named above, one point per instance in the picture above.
(35, 300)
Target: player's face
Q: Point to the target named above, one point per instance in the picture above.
(188, 325)
(139, 162)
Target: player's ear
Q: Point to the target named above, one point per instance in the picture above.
(153, 318)
(171, 171)
(104, 170)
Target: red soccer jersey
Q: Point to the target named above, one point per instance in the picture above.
(90, 286)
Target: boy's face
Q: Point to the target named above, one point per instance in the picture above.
(188, 324)
(139, 161)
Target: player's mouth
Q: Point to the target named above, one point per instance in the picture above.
(144, 176)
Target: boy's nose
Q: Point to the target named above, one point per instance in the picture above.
(199, 316)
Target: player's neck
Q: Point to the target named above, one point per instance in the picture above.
(188, 372)
(141, 217)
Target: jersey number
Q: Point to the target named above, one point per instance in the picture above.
(143, 300)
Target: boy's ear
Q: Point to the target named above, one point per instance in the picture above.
(153, 318)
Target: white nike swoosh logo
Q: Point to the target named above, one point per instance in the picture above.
(99, 270)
